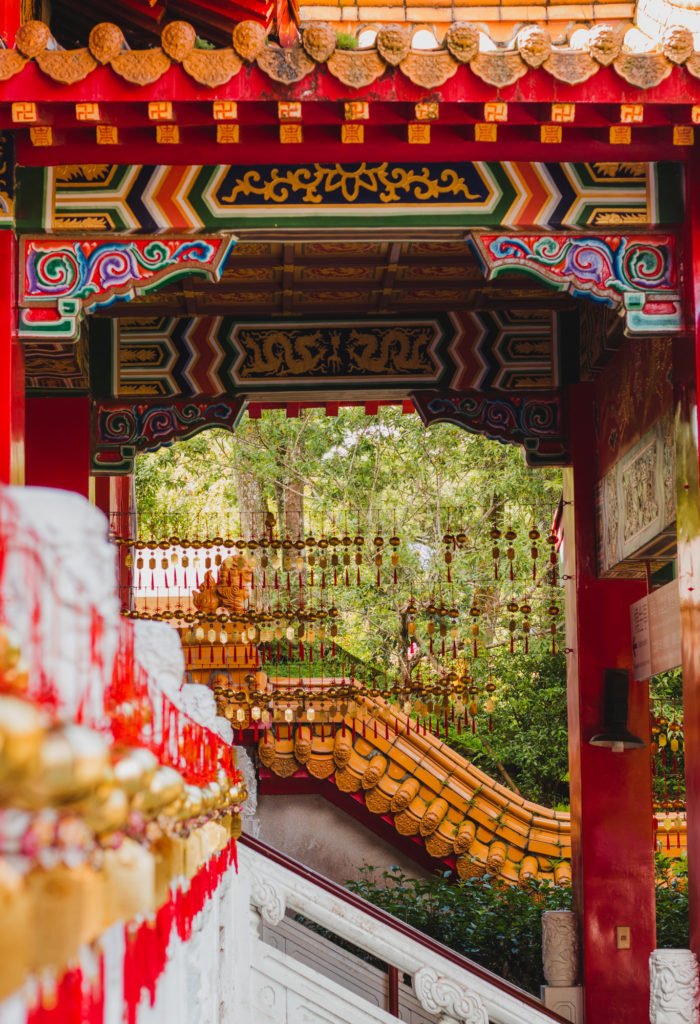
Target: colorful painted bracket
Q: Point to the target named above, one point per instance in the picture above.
(120, 431)
(534, 421)
(63, 280)
(636, 274)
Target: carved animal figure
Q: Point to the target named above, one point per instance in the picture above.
(280, 353)
(395, 350)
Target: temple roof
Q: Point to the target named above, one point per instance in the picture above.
(584, 51)
(428, 791)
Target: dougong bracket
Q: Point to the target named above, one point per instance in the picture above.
(62, 280)
(636, 274)
(121, 431)
(533, 420)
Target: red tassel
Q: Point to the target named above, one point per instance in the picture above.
(347, 578)
(473, 724)
(490, 724)
(459, 726)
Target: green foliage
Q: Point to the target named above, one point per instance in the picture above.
(388, 475)
(528, 746)
(346, 41)
(666, 700)
(672, 922)
(496, 925)
(500, 926)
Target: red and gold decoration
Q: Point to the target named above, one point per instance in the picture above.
(263, 617)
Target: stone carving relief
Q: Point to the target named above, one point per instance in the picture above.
(640, 505)
(560, 948)
(269, 902)
(675, 987)
(636, 499)
(249, 818)
(452, 1001)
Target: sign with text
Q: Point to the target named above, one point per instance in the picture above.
(656, 631)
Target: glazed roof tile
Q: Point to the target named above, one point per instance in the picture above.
(528, 47)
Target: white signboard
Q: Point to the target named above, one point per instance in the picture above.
(641, 646)
(656, 631)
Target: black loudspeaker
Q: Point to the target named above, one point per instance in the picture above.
(615, 733)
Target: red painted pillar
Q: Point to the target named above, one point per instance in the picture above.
(686, 365)
(116, 497)
(11, 369)
(58, 443)
(10, 20)
(613, 867)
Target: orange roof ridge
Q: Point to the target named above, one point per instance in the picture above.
(498, 62)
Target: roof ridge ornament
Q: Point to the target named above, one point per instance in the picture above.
(499, 67)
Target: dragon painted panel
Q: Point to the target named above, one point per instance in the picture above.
(150, 199)
(217, 355)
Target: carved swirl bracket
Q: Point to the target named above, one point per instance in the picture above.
(120, 432)
(636, 274)
(63, 280)
(532, 420)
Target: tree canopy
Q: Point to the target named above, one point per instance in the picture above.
(446, 500)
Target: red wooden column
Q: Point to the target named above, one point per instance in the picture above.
(611, 820)
(11, 370)
(686, 364)
(115, 496)
(10, 19)
(58, 443)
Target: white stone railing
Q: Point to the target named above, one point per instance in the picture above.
(286, 987)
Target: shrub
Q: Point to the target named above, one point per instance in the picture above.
(494, 924)
(672, 923)
(500, 926)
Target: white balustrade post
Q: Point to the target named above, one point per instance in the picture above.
(560, 958)
(675, 987)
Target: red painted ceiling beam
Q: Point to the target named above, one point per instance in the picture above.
(323, 143)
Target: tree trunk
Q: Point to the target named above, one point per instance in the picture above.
(251, 502)
(293, 491)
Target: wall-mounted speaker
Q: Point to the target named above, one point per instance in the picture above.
(615, 733)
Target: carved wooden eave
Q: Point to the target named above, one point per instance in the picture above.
(502, 66)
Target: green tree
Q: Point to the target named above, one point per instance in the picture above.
(441, 492)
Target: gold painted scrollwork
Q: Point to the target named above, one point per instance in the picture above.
(319, 182)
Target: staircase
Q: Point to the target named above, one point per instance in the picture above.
(297, 975)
